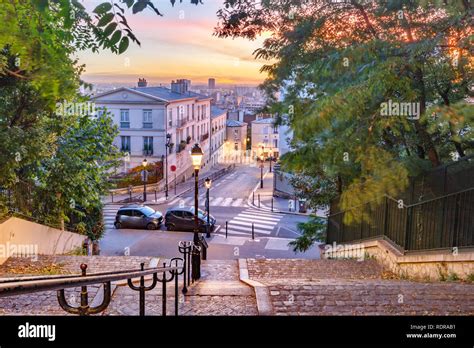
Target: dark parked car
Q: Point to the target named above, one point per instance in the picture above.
(138, 216)
(182, 219)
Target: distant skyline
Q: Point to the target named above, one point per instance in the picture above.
(180, 44)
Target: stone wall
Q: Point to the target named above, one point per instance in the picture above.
(422, 265)
(20, 237)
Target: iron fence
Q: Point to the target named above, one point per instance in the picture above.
(437, 211)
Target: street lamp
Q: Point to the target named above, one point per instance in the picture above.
(208, 183)
(167, 144)
(261, 171)
(196, 158)
(144, 178)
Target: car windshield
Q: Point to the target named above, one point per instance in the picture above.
(147, 211)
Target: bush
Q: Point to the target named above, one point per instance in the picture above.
(134, 178)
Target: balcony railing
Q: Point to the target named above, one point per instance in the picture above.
(204, 136)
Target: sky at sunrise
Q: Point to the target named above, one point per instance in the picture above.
(180, 44)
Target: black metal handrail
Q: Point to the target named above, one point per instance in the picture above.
(17, 287)
(187, 266)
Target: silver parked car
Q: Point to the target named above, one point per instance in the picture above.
(138, 216)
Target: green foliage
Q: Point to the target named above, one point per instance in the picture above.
(337, 63)
(134, 178)
(312, 231)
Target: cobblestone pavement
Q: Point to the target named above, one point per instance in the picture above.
(219, 292)
(346, 287)
(46, 303)
(313, 269)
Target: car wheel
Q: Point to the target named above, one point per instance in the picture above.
(151, 226)
(169, 227)
(118, 225)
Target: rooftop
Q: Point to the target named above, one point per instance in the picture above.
(235, 123)
(215, 111)
(167, 94)
(265, 121)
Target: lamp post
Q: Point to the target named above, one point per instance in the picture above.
(196, 157)
(271, 160)
(261, 170)
(167, 144)
(208, 183)
(144, 178)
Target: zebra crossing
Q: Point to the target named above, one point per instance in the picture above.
(213, 201)
(110, 211)
(264, 223)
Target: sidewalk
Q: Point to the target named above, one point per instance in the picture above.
(173, 192)
(263, 199)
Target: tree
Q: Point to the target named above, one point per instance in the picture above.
(340, 65)
(55, 165)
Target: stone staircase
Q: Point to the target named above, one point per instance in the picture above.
(251, 287)
(218, 292)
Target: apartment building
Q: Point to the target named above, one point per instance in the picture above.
(218, 134)
(236, 141)
(265, 138)
(145, 115)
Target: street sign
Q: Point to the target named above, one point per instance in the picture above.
(173, 168)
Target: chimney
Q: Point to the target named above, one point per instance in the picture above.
(142, 82)
(180, 86)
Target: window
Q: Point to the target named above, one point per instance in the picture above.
(147, 119)
(204, 111)
(236, 146)
(275, 130)
(170, 117)
(125, 143)
(148, 145)
(181, 112)
(124, 118)
(265, 130)
(187, 112)
(192, 132)
(275, 142)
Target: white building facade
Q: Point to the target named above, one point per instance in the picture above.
(265, 138)
(145, 115)
(218, 134)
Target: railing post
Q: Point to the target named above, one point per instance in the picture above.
(226, 225)
(253, 197)
(259, 200)
(385, 217)
(112, 194)
(253, 232)
(272, 204)
(407, 228)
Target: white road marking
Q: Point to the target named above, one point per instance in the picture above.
(255, 217)
(237, 202)
(246, 229)
(265, 227)
(227, 202)
(217, 201)
(238, 218)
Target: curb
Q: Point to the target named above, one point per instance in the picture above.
(262, 294)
